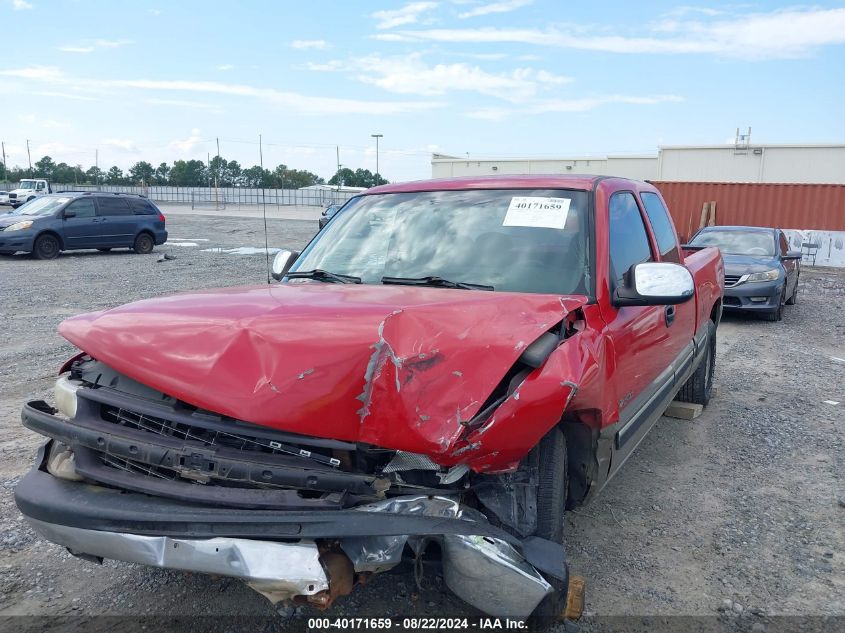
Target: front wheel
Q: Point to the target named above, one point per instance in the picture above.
(777, 314)
(46, 247)
(143, 244)
(552, 492)
(699, 387)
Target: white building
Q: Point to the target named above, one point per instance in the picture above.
(684, 163)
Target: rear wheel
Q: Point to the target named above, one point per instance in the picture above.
(552, 491)
(46, 247)
(794, 298)
(143, 244)
(698, 388)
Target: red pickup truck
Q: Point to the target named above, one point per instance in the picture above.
(448, 362)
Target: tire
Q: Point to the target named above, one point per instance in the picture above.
(104, 250)
(552, 492)
(46, 246)
(794, 298)
(699, 387)
(144, 244)
(776, 315)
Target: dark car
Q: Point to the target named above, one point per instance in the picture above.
(761, 273)
(74, 220)
(328, 213)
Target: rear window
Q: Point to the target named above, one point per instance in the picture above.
(112, 206)
(140, 206)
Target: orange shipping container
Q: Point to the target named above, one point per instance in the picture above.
(785, 206)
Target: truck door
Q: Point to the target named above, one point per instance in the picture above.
(80, 228)
(117, 221)
(641, 340)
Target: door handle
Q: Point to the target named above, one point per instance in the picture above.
(669, 314)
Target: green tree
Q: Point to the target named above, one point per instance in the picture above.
(142, 173)
(94, 175)
(344, 177)
(257, 177)
(44, 168)
(357, 178)
(190, 173)
(162, 175)
(114, 176)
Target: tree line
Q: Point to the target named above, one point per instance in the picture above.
(190, 173)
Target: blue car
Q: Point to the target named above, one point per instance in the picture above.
(66, 221)
(761, 273)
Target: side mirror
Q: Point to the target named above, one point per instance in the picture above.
(655, 283)
(282, 263)
(792, 255)
(69, 214)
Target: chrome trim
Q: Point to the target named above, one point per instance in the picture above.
(740, 279)
(280, 570)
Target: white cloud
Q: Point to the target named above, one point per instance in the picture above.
(89, 46)
(52, 124)
(188, 144)
(777, 34)
(410, 74)
(179, 103)
(504, 6)
(409, 14)
(65, 95)
(226, 67)
(123, 144)
(155, 11)
(309, 44)
(292, 101)
(20, 5)
(26, 118)
(545, 106)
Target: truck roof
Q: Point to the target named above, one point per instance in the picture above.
(545, 181)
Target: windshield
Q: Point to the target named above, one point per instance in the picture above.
(27, 184)
(41, 206)
(738, 242)
(514, 240)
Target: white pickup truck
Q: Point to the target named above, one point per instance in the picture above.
(27, 189)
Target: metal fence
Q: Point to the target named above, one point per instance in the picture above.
(223, 197)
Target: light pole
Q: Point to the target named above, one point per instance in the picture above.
(377, 137)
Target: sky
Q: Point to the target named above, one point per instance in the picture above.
(159, 81)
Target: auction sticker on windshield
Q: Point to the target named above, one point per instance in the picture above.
(547, 213)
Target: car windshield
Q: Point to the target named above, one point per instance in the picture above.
(513, 240)
(27, 184)
(738, 242)
(46, 205)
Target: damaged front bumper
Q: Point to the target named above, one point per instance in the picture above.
(310, 555)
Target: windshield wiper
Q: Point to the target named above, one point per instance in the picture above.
(324, 275)
(431, 280)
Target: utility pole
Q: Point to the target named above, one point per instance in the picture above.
(377, 137)
(337, 147)
(29, 158)
(97, 168)
(217, 176)
(5, 171)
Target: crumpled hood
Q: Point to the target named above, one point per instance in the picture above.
(396, 366)
(744, 264)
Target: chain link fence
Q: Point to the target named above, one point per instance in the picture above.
(223, 197)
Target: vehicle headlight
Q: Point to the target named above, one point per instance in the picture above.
(19, 226)
(766, 275)
(65, 392)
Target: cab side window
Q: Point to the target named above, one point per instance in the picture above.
(83, 208)
(628, 238)
(661, 224)
(113, 206)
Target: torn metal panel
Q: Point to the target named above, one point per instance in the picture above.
(394, 366)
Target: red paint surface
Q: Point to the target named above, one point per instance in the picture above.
(784, 206)
(404, 367)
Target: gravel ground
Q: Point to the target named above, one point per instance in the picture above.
(732, 516)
